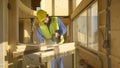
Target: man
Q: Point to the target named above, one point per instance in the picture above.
(50, 28)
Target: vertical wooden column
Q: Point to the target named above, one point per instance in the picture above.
(53, 7)
(3, 33)
(71, 24)
(13, 23)
(12, 30)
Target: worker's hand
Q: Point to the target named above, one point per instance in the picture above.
(57, 35)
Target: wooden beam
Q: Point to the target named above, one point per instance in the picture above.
(26, 10)
(70, 6)
(80, 8)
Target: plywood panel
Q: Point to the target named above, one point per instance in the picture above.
(115, 14)
(115, 43)
(47, 6)
(115, 62)
(115, 33)
(61, 10)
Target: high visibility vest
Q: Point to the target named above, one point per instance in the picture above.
(48, 33)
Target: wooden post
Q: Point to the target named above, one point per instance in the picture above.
(53, 7)
(13, 26)
(13, 23)
(3, 33)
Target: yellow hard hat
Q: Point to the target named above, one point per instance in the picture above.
(41, 15)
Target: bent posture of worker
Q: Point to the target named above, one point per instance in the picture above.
(49, 28)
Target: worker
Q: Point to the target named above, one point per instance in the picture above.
(49, 28)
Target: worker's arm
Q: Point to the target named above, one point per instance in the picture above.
(62, 28)
(39, 36)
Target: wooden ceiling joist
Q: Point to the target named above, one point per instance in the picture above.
(26, 10)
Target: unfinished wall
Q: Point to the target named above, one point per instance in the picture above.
(114, 31)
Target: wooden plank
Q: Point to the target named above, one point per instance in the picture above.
(45, 55)
(22, 49)
(59, 51)
(44, 52)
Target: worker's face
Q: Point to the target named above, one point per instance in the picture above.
(46, 20)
